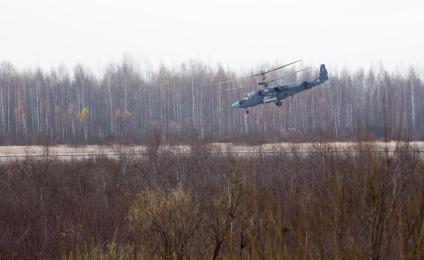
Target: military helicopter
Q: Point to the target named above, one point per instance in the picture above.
(274, 93)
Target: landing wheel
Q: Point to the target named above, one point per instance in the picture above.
(278, 103)
(247, 112)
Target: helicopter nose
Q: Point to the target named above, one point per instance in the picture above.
(236, 104)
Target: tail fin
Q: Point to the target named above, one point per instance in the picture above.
(323, 75)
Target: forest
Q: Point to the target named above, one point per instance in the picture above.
(364, 203)
(127, 101)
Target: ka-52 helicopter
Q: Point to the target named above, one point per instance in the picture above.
(274, 93)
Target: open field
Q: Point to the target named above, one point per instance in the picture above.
(63, 152)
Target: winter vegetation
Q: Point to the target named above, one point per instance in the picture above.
(128, 101)
(362, 205)
(169, 193)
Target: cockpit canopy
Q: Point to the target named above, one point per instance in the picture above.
(251, 94)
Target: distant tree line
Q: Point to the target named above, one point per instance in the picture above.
(128, 102)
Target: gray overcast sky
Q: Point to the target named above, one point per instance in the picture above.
(238, 33)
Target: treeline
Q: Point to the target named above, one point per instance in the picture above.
(129, 101)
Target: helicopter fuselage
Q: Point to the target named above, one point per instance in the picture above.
(278, 92)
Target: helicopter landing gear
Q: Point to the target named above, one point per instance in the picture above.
(278, 103)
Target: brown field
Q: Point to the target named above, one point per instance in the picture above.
(210, 205)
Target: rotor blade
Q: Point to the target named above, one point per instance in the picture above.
(226, 81)
(228, 89)
(274, 69)
(232, 80)
(288, 74)
(288, 64)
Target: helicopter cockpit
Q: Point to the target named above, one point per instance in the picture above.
(251, 94)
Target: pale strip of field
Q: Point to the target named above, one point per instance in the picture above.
(310, 147)
(89, 151)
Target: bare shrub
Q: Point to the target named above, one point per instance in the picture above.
(165, 222)
(204, 205)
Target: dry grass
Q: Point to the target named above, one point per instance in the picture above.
(200, 206)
